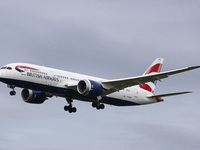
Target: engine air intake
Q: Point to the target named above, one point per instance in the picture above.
(89, 87)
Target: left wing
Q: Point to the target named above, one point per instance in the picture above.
(112, 86)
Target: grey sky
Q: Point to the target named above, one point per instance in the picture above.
(109, 39)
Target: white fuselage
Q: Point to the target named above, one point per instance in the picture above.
(59, 83)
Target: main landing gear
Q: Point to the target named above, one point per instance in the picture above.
(69, 107)
(72, 109)
(13, 92)
(98, 105)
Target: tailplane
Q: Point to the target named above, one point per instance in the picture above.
(155, 67)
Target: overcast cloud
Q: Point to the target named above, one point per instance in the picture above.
(109, 39)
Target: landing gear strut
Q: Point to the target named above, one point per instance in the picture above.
(13, 92)
(98, 105)
(69, 107)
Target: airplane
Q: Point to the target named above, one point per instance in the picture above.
(40, 83)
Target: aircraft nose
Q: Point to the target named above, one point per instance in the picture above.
(1, 75)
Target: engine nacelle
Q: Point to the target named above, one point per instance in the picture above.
(33, 97)
(89, 87)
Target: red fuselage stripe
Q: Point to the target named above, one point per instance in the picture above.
(24, 67)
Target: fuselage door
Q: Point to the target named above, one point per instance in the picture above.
(136, 93)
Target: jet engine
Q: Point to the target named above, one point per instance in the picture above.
(89, 87)
(33, 97)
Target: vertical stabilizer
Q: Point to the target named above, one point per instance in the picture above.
(155, 67)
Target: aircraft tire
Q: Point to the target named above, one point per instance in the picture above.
(70, 109)
(12, 93)
(94, 104)
(66, 108)
(74, 109)
(102, 106)
(98, 107)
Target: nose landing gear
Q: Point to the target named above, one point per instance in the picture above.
(13, 92)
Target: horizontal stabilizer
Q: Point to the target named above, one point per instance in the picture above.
(170, 94)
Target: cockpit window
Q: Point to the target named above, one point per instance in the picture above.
(3, 67)
(8, 68)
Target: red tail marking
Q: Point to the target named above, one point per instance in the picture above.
(155, 68)
(146, 87)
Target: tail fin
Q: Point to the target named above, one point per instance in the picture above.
(154, 68)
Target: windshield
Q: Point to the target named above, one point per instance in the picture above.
(8, 68)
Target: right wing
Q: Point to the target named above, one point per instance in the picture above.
(112, 86)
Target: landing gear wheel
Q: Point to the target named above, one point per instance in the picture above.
(94, 104)
(98, 106)
(69, 107)
(74, 109)
(66, 108)
(70, 111)
(12, 93)
(102, 106)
